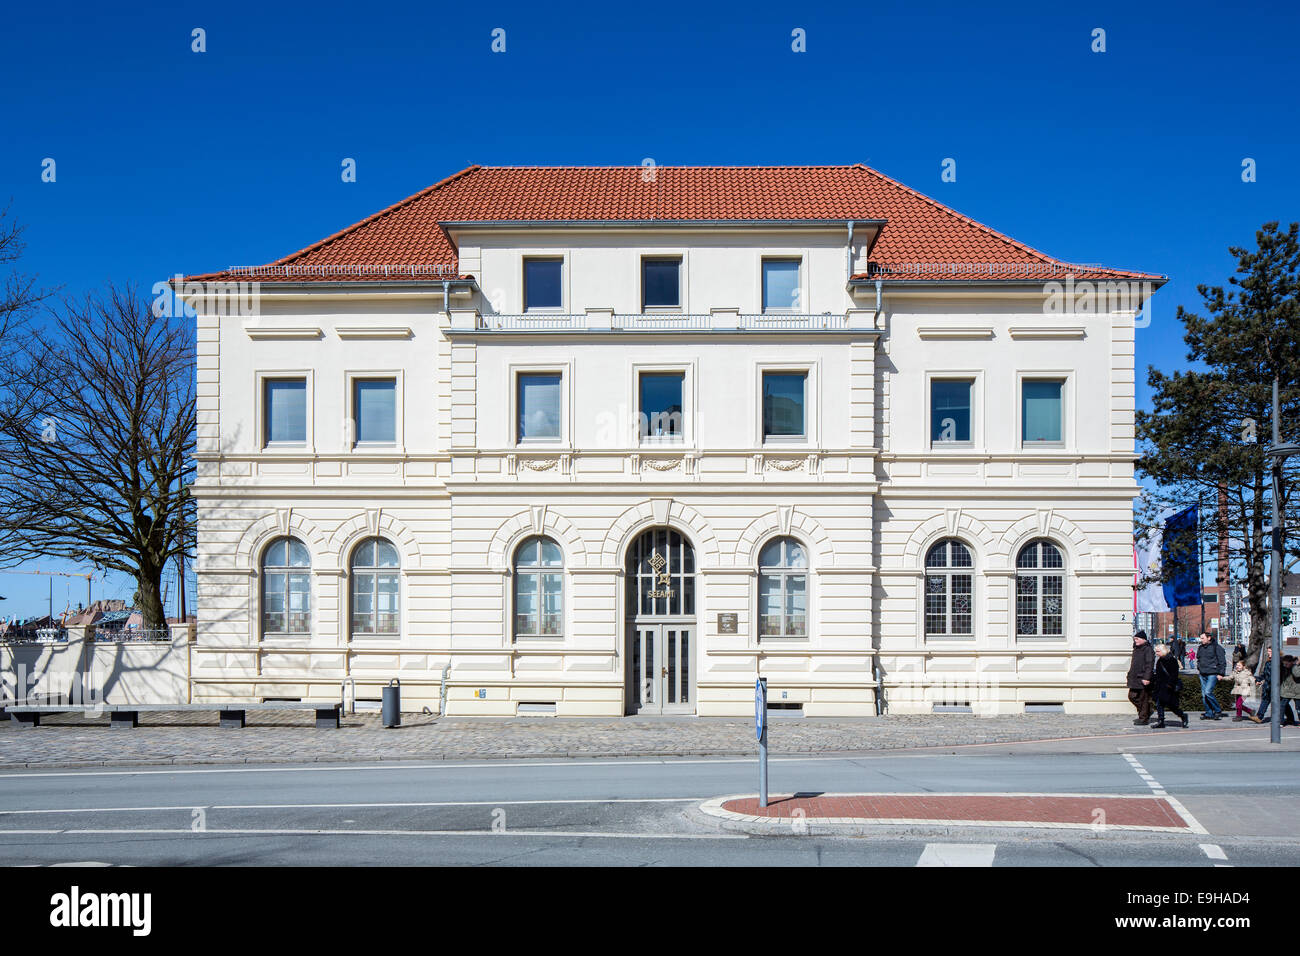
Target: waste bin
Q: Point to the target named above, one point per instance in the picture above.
(391, 713)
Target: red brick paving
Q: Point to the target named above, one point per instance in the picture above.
(1044, 808)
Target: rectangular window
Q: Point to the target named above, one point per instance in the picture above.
(543, 286)
(661, 286)
(780, 285)
(539, 406)
(286, 410)
(783, 404)
(374, 409)
(950, 410)
(1040, 410)
(661, 405)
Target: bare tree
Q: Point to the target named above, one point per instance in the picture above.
(19, 295)
(97, 441)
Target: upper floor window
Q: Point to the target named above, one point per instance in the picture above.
(950, 408)
(949, 585)
(780, 285)
(539, 589)
(540, 406)
(374, 409)
(661, 405)
(783, 589)
(784, 399)
(376, 581)
(285, 404)
(1041, 411)
(661, 283)
(1040, 590)
(543, 284)
(286, 588)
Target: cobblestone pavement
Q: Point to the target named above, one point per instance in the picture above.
(174, 737)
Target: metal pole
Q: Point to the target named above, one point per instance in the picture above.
(1200, 562)
(1275, 589)
(762, 746)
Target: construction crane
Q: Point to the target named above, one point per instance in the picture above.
(62, 574)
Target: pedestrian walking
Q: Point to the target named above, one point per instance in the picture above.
(1265, 685)
(1191, 657)
(1243, 686)
(1141, 670)
(1211, 664)
(1168, 686)
(1290, 690)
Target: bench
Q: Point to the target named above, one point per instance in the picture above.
(125, 716)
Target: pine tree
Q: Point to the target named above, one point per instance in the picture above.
(1205, 438)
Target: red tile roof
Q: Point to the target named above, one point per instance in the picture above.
(921, 239)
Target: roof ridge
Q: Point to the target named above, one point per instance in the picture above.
(639, 166)
(401, 203)
(964, 218)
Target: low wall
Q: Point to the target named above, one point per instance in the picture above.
(84, 670)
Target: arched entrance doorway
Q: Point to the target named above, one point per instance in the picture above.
(661, 630)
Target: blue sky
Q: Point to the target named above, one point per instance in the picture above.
(173, 161)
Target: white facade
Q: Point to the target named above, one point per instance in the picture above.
(864, 491)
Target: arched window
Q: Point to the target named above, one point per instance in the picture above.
(376, 586)
(286, 587)
(1040, 590)
(783, 589)
(949, 587)
(539, 589)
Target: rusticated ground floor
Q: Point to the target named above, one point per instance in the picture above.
(487, 601)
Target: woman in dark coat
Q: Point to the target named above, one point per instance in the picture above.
(1168, 685)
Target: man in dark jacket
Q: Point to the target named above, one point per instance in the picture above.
(1265, 684)
(1140, 673)
(1211, 664)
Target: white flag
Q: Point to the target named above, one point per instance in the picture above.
(1151, 591)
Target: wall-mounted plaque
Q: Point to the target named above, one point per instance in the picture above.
(726, 623)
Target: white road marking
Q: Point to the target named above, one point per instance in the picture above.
(348, 806)
(244, 831)
(957, 854)
(1159, 791)
(514, 764)
(1214, 851)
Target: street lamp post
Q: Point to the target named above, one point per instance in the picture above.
(1278, 452)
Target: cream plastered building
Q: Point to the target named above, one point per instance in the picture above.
(605, 441)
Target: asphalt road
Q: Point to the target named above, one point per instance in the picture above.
(630, 812)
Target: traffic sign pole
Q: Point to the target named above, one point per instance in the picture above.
(760, 729)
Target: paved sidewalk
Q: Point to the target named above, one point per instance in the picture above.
(183, 738)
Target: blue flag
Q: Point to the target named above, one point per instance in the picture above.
(1179, 558)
